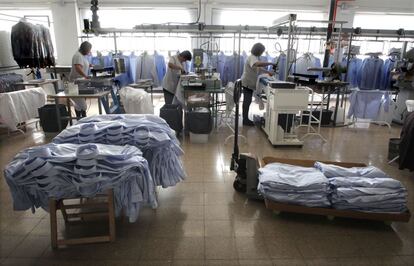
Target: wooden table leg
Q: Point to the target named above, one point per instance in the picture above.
(53, 223)
(111, 215)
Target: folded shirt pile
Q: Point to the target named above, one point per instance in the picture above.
(368, 194)
(294, 184)
(71, 170)
(365, 189)
(149, 133)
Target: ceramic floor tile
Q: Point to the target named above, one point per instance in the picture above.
(329, 247)
(218, 248)
(189, 228)
(8, 244)
(282, 248)
(219, 228)
(247, 228)
(257, 262)
(31, 247)
(408, 260)
(21, 226)
(190, 248)
(158, 249)
(251, 248)
(222, 263)
(289, 262)
(188, 263)
(214, 212)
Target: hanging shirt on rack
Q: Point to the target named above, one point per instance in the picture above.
(160, 66)
(281, 63)
(369, 77)
(146, 68)
(352, 71)
(386, 73)
(133, 67)
(304, 62)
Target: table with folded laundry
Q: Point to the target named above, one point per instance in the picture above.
(150, 133)
(333, 190)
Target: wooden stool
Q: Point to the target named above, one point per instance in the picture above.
(109, 211)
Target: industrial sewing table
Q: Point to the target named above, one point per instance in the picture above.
(102, 98)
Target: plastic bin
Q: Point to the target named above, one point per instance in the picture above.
(173, 115)
(199, 121)
(198, 138)
(48, 117)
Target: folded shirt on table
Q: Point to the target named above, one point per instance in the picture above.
(53, 170)
(149, 133)
(294, 184)
(331, 170)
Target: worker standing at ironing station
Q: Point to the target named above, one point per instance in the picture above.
(251, 70)
(176, 67)
(80, 69)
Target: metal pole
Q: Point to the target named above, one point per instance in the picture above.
(339, 45)
(238, 58)
(349, 55)
(404, 49)
(332, 11)
(116, 47)
(289, 50)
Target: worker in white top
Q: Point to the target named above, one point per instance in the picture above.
(251, 70)
(80, 69)
(176, 67)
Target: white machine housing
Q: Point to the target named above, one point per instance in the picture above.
(284, 101)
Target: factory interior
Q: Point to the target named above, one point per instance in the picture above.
(206, 132)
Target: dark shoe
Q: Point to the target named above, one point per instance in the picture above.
(83, 113)
(248, 123)
(78, 114)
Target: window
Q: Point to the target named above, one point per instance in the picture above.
(384, 21)
(128, 18)
(258, 17)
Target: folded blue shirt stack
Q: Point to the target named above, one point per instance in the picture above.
(294, 185)
(149, 133)
(368, 194)
(365, 189)
(70, 170)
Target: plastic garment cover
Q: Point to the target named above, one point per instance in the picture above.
(331, 170)
(368, 194)
(294, 184)
(352, 71)
(70, 170)
(20, 106)
(368, 104)
(32, 45)
(136, 101)
(146, 68)
(369, 76)
(8, 80)
(306, 61)
(150, 133)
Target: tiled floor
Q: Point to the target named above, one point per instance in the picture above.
(203, 221)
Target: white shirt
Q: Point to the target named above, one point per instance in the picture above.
(172, 76)
(78, 59)
(250, 72)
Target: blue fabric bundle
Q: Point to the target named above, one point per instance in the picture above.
(331, 170)
(149, 133)
(385, 195)
(294, 184)
(69, 170)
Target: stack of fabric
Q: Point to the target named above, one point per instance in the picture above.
(69, 170)
(149, 133)
(294, 185)
(365, 189)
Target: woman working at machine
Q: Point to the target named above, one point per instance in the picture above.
(251, 70)
(176, 67)
(80, 69)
